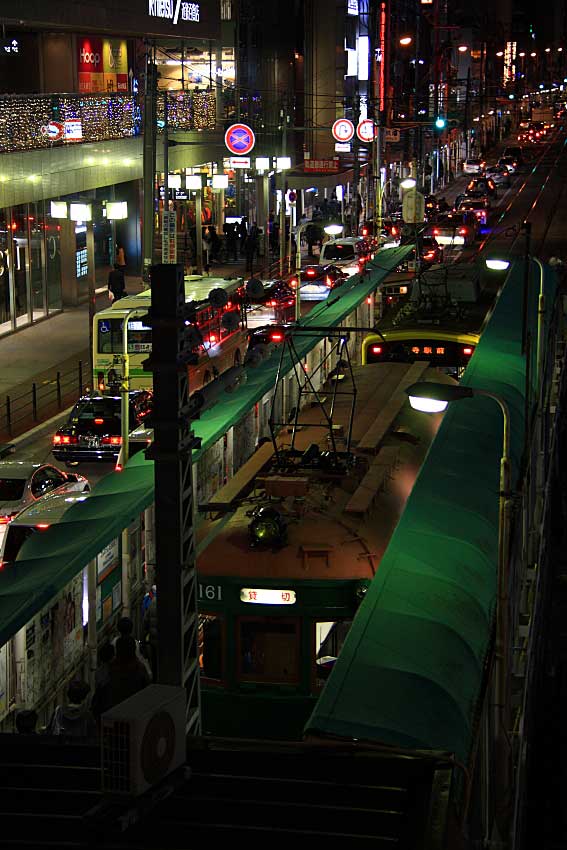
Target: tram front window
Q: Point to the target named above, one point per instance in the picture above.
(329, 639)
(210, 646)
(269, 650)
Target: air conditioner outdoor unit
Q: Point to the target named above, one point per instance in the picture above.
(143, 739)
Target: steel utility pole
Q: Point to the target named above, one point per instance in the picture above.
(149, 164)
(354, 212)
(176, 575)
(282, 204)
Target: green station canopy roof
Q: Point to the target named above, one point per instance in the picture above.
(49, 560)
(411, 670)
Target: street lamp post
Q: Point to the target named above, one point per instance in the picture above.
(432, 397)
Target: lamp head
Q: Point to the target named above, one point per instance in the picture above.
(430, 397)
(497, 265)
(333, 229)
(408, 183)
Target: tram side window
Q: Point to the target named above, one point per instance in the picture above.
(269, 650)
(211, 646)
(329, 639)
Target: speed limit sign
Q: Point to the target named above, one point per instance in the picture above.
(343, 130)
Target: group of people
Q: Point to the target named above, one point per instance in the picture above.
(124, 669)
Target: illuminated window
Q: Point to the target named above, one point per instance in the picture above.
(210, 646)
(329, 639)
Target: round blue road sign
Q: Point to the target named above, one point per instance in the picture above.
(239, 139)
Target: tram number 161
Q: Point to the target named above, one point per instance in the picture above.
(210, 592)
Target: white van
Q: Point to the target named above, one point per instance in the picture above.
(34, 520)
(343, 253)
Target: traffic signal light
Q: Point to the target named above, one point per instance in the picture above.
(440, 123)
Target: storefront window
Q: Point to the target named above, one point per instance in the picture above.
(269, 650)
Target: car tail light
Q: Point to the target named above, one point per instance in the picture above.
(435, 232)
(276, 336)
(271, 304)
(65, 440)
(42, 526)
(310, 272)
(293, 283)
(328, 281)
(468, 350)
(429, 255)
(4, 520)
(212, 338)
(112, 441)
(394, 231)
(462, 231)
(118, 467)
(99, 422)
(376, 349)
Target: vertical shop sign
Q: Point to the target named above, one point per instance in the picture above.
(169, 237)
(90, 64)
(115, 64)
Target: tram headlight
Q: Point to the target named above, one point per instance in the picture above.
(267, 528)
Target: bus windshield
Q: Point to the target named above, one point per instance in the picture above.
(109, 336)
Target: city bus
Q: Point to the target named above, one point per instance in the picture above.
(221, 344)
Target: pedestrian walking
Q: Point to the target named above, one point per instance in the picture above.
(127, 673)
(116, 283)
(243, 233)
(251, 247)
(231, 242)
(207, 250)
(101, 697)
(125, 628)
(120, 256)
(73, 718)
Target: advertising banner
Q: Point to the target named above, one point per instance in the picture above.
(115, 64)
(89, 64)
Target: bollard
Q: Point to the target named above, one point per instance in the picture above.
(34, 401)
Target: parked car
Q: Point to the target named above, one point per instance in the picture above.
(474, 166)
(455, 229)
(499, 174)
(316, 281)
(93, 431)
(22, 483)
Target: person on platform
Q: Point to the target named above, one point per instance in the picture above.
(116, 283)
(127, 673)
(73, 718)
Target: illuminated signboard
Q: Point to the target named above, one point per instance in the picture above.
(509, 62)
(174, 10)
(267, 596)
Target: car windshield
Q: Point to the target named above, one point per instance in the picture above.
(340, 251)
(11, 489)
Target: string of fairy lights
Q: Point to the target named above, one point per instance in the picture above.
(23, 120)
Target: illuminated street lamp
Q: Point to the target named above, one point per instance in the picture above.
(497, 265)
(462, 48)
(408, 183)
(333, 229)
(406, 40)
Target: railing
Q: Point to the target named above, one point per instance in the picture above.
(20, 412)
(24, 119)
